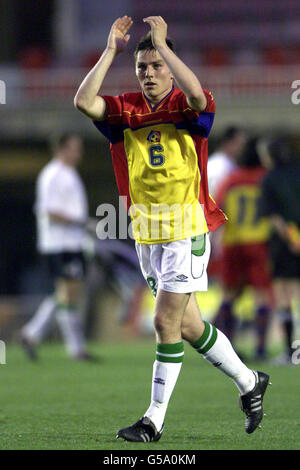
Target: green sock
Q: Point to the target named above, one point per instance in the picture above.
(166, 369)
(207, 340)
(217, 350)
(170, 352)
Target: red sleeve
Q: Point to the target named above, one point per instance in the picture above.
(211, 105)
(201, 123)
(184, 107)
(112, 127)
(114, 109)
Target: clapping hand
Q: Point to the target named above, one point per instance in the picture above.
(118, 36)
(158, 30)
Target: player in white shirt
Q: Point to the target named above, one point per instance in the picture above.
(220, 164)
(223, 161)
(62, 211)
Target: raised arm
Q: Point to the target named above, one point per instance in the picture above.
(185, 78)
(86, 98)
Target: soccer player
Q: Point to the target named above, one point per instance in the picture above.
(158, 142)
(220, 164)
(244, 259)
(62, 211)
(224, 160)
(280, 202)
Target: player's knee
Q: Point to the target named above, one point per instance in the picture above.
(73, 297)
(159, 324)
(185, 329)
(163, 324)
(192, 328)
(68, 293)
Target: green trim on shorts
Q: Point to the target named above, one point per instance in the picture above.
(152, 285)
(199, 245)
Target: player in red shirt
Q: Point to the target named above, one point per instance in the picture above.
(244, 257)
(160, 158)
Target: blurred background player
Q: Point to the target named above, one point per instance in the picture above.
(244, 260)
(224, 160)
(280, 202)
(220, 164)
(61, 209)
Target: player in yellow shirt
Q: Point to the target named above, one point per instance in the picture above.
(158, 142)
(245, 260)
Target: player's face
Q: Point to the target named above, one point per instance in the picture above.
(238, 144)
(153, 75)
(74, 150)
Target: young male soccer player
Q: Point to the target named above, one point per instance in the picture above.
(62, 211)
(158, 142)
(280, 203)
(245, 259)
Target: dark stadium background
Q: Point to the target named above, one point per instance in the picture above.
(246, 53)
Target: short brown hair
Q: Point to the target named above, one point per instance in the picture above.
(145, 43)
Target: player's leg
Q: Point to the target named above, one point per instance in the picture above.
(169, 309)
(69, 289)
(159, 264)
(285, 268)
(215, 347)
(261, 321)
(69, 294)
(41, 322)
(283, 293)
(38, 326)
(230, 273)
(217, 350)
(225, 319)
(258, 277)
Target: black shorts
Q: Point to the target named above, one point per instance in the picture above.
(66, 265)
(284, 263)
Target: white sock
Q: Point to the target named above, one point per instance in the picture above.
(223, 356)
(40, 323)
(70, 324)
(164, 378)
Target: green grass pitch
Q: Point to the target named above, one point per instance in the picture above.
(59, 404)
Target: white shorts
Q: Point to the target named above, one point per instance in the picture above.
(175, 266)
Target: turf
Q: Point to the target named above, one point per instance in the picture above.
(59, 404)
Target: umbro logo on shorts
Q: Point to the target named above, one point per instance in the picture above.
(181, 278)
